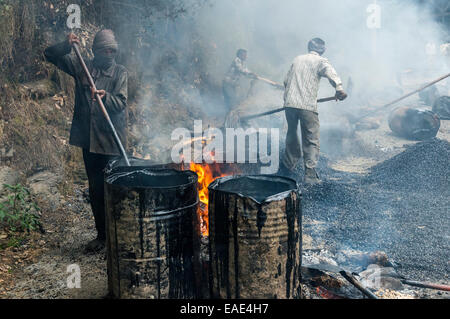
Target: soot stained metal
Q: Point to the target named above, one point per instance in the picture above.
(255, 237)
(152, 232)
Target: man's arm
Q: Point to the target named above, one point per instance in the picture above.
(288, 76)
(243, 70)
(327, 70)
(116, 101)
(59, 55)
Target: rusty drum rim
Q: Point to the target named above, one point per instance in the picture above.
(121, 171)
(275, 197)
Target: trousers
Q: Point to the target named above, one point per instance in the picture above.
(310, 144)
(95, 165)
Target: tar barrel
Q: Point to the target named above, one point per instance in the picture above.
(152, 232)
(442, 107)
(255, 238)
(414, 124)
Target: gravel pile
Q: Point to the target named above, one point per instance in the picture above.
(401, 208)
(424, 166)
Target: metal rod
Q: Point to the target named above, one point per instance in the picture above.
(358, 285)
(100, 102)
(426, 285)
(251, 117)
(405, 96)
(327, 99)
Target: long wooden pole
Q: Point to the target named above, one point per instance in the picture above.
(426, 285)
(273, 83)
(404, 97)
(100, 102)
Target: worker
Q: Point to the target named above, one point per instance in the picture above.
(300, 101)
(231, 84)
(90, 130)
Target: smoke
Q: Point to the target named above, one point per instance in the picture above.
(188, 57)
(275, 32)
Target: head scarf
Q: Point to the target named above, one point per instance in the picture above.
(104, 40)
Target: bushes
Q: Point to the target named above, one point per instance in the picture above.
(18, 212)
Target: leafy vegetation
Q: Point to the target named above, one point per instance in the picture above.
(18, 212)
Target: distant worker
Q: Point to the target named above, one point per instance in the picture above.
(231, 84)
(300, 101)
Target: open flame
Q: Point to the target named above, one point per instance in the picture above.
(325, 294)
(207, 173)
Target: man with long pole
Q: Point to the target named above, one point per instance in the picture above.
(300, 102)
(100, 113)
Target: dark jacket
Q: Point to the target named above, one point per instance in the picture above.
(90, 130)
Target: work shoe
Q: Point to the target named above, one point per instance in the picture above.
(311, 177)
(95, 246)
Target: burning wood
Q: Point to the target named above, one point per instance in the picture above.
(207, 173)
(326, 294)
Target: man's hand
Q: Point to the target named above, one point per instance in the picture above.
(72, 38)
(253, 75)
(102, 93)
(341, 95)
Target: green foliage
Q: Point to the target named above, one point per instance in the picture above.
(15, 242)
(18, 211)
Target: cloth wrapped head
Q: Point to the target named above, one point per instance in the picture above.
(105, 49)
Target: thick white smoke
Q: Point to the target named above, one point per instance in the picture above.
(275, 32)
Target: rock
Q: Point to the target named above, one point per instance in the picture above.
(8, 176)
(43, 185)
(368, 124)
(40, 89)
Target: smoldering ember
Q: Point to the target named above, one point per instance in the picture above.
(212, 149)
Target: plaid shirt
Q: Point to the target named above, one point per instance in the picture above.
(302, 81)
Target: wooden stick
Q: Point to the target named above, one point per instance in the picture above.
(358, 285)
(405, 96)
(426, 285)
(100, 102)
(278, 85)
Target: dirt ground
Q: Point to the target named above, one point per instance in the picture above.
(38, 268)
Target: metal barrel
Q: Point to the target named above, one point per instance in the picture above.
(414, 124)
(442, 107)
(255, 237)
(152, 232)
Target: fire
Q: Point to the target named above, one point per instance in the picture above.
(325, 294)
(207, 173)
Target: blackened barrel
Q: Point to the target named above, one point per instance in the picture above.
(152, 232)
(414, 124)
(255, 237)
